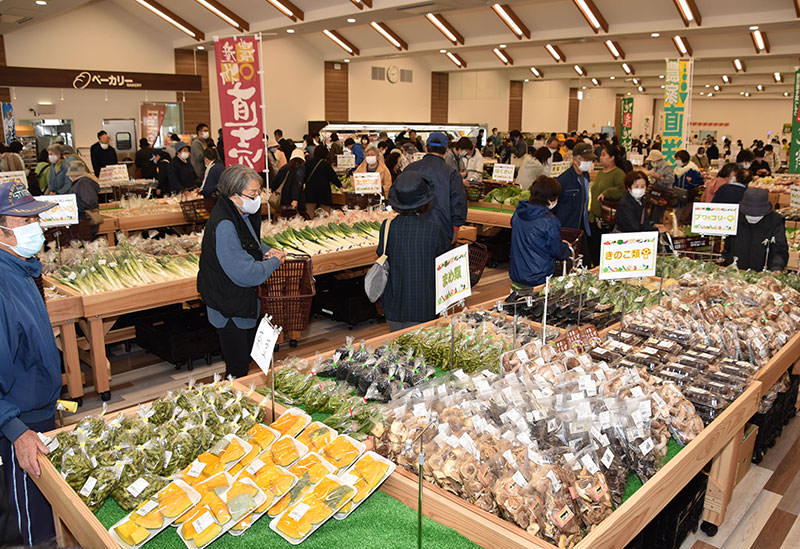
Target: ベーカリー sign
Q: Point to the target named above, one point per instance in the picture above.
(367, 182)
(715, 219)
(65, 213)
(452, 278)
(503, 172)
(628, 255)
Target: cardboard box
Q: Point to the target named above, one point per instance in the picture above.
(745, 452)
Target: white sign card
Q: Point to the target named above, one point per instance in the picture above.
(628, 255)
(715, 219)
(367, 182)
(503, 172)
(14, 176)
(794, 196)
(417, 156)
(636, 159)
(264, 344)
(116, 173)
(452, 278)
(345, 161)
(557, 168)
(65, 213)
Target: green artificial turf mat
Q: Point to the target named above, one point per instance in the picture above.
(634, 483)
(488, 209)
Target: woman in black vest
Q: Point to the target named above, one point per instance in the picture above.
(233, 264)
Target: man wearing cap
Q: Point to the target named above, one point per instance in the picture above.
(760, 241)
(30, 368)
(450, 202)
(572, 209)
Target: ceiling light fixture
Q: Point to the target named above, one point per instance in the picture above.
(527, 80)
(710, 94)
(442, 51)
(592, 15)
(635, 82)
(778, 77)
(351, 20)
(786, 94)
(760, 42)
(290, 31)
(747, 94)
(726, 79)
(201, 48)
(288, 9)
(702, 93)
(445, 28)
(341, 41)
(390, 36)
(536, 72)
(579, 70)
(655, 34)
(455, 58)
(503, 46)
(362, 3)
(641, 89)
(41, 3)
(614, 49)
(555, 52)
(661, 77)
(760, 88)
(172, 18)
(738, 64)
(511, 20)
(346, 60)
(753, 27)
(225, 14)
(628, 69)
(595, 81)
(502, 56)
(689, 12)
(682, 45)
(612, 77)
(716, 87)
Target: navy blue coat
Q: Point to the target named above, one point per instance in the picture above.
(572, 209)
(450, 203)
(535, 244)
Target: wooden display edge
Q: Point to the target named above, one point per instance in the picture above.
(779, 364)
(150, 221)
(496, 219)
(493, 205)
(130, 299)
(63, 309)
(343, 260)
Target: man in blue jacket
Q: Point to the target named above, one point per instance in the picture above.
(450, 202)
(30, 366)
(573, 201)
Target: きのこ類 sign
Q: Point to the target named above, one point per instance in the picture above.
(240, 101)
(452, 278)
(367, 183)
(503, 172)
(628, 255)
(715, 219)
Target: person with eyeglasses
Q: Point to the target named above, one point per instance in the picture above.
(233, 264)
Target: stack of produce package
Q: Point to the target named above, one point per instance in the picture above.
(202, 461)
(135, 205)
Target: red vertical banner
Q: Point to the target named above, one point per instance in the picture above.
(240, 101)
(152, 115)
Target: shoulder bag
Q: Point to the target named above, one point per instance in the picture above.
(275, 196)
(378, 274)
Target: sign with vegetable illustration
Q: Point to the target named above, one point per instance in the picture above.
(628, 255)
(715, 219)
(503, 172)
(452, 278)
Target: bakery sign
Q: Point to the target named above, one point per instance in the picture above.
(84, 79)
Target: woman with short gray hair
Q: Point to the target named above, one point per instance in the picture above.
(233, 264)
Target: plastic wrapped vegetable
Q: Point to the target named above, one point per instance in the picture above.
(184, 449)
(76, 467)
(133, 491)
(98, 485)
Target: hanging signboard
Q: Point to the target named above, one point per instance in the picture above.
(240, 101)
(452, 278)
(65, 213)
(677, 98)
(628, 255)
(9, 125)
(503, 172)
(80, 79)
(715, 219)
(152, 115)
(794, 149)
(367, 182)
(626, 123)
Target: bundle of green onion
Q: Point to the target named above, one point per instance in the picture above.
(123, 268)
(323, 239)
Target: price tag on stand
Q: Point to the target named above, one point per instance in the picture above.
(503, 172)
(264, 344)
(345, 161)
(452, 278)
(65, 213)
(628, 255)
(715, 219)
(367, 183)
(557, 168)
(794, 196)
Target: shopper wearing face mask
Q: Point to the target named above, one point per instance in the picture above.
(58, 182)
(199, 144)
(233, 264)
(102, 153)
(745, 158)
(733, 191)
(30, 367)
(631, 216)
(182, 176)
(608, 185)
(472, 160)
(536, 236)
(374, 163)
(760, 241)
(573, 201)
(554, 146)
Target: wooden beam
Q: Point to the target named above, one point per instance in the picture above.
(81, 79)
(285, 5)
(225, 14)
(177, 21)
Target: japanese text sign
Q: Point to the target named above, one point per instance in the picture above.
(345, 161)
(715, 219)
(628, 255)
(452, 278)
(240, 101)
(264, 343)
(503, 172)
(626, 123)
(794, 148)
(367, 182)
(65, 213)
(794, 197)
(677, 98)
(14, 176)
(636, 159)
(557, 168)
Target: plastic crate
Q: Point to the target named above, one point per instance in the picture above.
(198, 210)
(343, 300)
(179, 337)
(287, 295)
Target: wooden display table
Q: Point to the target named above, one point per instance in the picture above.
(492, 217)
(64, 312)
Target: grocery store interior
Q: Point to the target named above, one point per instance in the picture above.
(590, 339)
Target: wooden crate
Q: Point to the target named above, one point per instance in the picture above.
(483, 217)
(151, 221)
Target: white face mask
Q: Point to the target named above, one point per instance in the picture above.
(30, 239)
(204, 135)
(746, 165)
(52, 158)
(372, 160)
(184, 155)
(585, 166)
(250, 205)
(104, 146)
(637, 193)
(753, 219)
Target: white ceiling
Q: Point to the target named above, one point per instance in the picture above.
(723, 35)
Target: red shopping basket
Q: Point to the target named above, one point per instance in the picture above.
(286, 295)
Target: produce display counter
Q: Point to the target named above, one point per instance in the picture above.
(64, 313)
(483, 215)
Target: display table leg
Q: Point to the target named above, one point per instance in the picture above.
(101, 369)
(72, 363)
(64, 537)
(721, 481)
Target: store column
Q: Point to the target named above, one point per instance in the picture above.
(677, 105)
